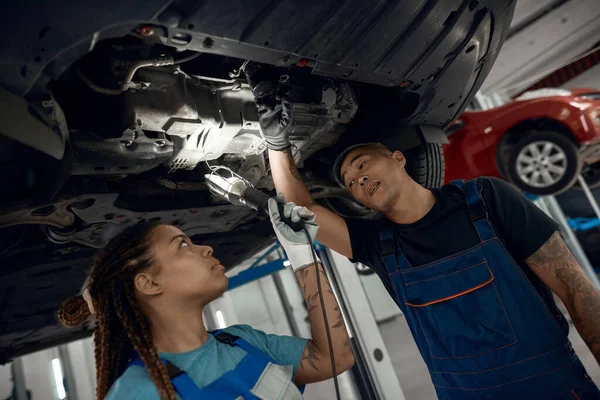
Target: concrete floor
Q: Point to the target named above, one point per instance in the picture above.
(412, 372)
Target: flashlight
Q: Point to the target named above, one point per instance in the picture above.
(225, 183)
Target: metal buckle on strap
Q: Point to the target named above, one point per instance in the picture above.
(226, 338)
(172, 370)
(477, 212)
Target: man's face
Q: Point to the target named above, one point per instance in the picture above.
(374, 176)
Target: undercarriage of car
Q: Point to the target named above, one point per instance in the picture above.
(124, 121)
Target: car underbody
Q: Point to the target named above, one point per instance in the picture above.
(119, 119)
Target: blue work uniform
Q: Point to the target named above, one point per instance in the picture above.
(238, 362)
(482, 328)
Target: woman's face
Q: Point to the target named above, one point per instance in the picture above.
(186, 271)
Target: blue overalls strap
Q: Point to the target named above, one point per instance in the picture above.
(240, 380)
(183, 384)
(392, 255)
(477, 210)
(252, 366)
(387, 250)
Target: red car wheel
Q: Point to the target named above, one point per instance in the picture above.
(544, 163)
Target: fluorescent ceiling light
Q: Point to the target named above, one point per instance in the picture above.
(58, 378)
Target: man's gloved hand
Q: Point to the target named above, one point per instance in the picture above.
(275, 118)
(295, 244)
(273, 104)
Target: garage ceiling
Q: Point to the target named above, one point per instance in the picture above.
(544, 35)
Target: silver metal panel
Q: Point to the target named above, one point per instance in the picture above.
(365, 328)
(18, 377)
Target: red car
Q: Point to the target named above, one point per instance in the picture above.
(540, 142)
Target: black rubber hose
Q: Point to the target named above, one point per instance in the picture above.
(333, 369)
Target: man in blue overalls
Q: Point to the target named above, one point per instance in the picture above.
(472, 265)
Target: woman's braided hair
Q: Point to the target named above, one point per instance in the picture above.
(120, 323)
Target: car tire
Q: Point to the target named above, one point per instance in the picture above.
(562, 146)
(425, 164)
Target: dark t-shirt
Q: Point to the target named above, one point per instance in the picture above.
(447, 229)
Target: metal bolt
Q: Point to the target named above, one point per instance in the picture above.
(126, 143)
(347, 74)
(285, 59)
(161, 142)
(146, 30)
(208, 43)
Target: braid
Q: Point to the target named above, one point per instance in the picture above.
(73, 312)
(120, 322)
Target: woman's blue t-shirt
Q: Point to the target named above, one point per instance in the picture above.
(208, 362)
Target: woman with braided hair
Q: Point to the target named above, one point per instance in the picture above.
(148, 288)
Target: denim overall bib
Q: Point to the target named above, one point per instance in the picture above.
(481, 327)
(235, 384)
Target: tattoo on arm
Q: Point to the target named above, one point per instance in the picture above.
(580, 296)
(310, 356)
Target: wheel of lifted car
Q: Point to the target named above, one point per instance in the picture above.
(425, 164)
(544, 163)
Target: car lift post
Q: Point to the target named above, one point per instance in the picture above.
(18, 377)
(67, 371)
(589, 195)
(374, 359)
(550, 205)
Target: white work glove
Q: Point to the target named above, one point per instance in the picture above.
(295, 244)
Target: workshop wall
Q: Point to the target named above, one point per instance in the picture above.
(81, 357)
(256, 304)
(39, 378)
(5, 382)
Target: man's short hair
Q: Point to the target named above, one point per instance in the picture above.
(337, 165)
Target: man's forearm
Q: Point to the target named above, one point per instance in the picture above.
(583, 304)
(319, 345)
(557, 267)
(585, 311)
(287, 178)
